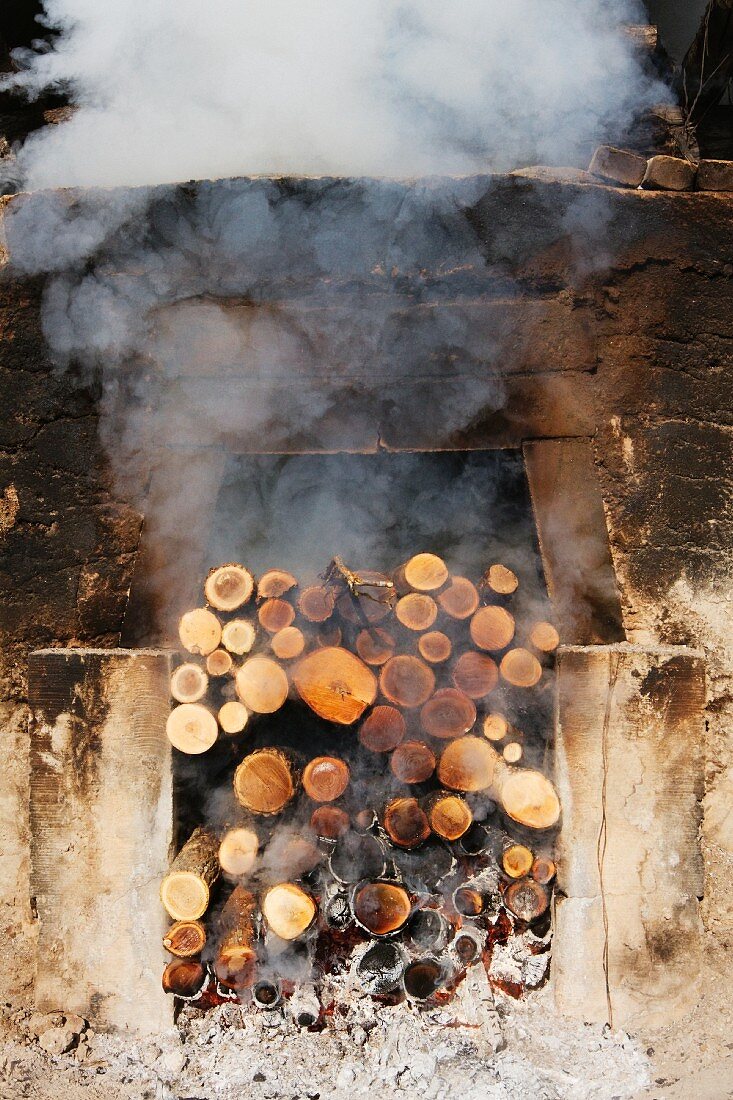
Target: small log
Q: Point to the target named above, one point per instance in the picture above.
(422, 573)
(335, 684)
(262, 685)
(275, 583)
(512, 752)
(238, 851)
(375, 646)
(199, 631)
(412, 762)
(185, 938)
(218, 663)
(449, 815)
(468, 901)
(500, 580)
(381, 907)
(229, 587)
(526, 899)
(325, 778)
(496, 727)
(288, 910)
(288, 643)
(492, 628)
(407, 681)
(517, 860)
(382, 730)
(185, 890)
(368, 600)
(264, 781)
(467, 764)
(435, 647)
(459, 599)
(191, 728)
(238, 636)
(189, 683)
(530, 798)
(544, 637)
(316, 603)
(543, 870)
(520, 668)
(236, 959)
(416, 611)
(423, 978)
(475, 674)
(275, 615)
(233, 717)
(329, 822)
(406, 823)
(184, 977)
(448, 714)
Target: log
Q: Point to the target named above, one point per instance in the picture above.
(496, 727)
(407, 681)
(329, 634)
(238, 636)
(275, 615)
(184, 977)
(191, 728)
(381, 907)
(423, 978)
(422, 573)
(416, 611)
(199, 631)
(412, 762)
(375, 646)
(544, 637)
(329, 822)
(369, 602)
(406, 823)
(435, 647)
(467, 764)
(459, 599)
(185, 890)
(526, 899)
(262, 685)
(238, 851)
(233, 717)
(529, 797)
(335, 684)
(189, 683)
(229, 587)
(501, 580)
(264, 781)
(520, 668)
(512, 752)
(517, 860)
(185, 938)
(382, 730)
(236, 959)
(543, 870)
(468, 901)
(288, 643)
(218, 663)
(288, 910)
(448, 714)
(449, 815)
(492, 628)
(275, 583)
(316, 603)
(325, 778)
(475, 674)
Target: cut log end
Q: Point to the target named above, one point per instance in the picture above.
(520, 668)
(382, 730)
(219, 663)
(335, 684)
(185, 895)
(381, 907)
(459, 599)
(435, 647)
(325, 778)
(288, 910)
(184, 977)
(530, 798)
(275, 583)
(544, 636)
(275, 615)
(496, 727)
(191, 728)
(512, 752)
(238, 636)
(468, 901)
(233, 717)
(375, 646)
(467, 764)
(406, 823)
(416, 611)
(199, 631)
(526, 899)
(263, 782)
(448, 714)
(238, 852)
(329, 822)
(517, 860)
(316, 603)
(412, 762)
(492, 628)
(500, 579)
(228, 587)
(543, 870)
(475, 674)
(288, 643)
(424, 573)
(189, 683)
(185, 939)
(450, 817)
(407, 681)
(262, 685)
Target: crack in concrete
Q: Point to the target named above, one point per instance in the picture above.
(602, 842)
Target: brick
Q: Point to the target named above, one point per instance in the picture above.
(669, 174)
(714, 175)
(618, 165)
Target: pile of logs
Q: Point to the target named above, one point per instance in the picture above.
(422, 823)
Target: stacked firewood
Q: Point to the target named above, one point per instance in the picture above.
(424, 832)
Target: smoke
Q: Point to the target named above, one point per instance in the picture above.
(174, 89)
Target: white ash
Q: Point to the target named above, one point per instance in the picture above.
(524, 959)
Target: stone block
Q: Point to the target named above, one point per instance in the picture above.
(629, 770)
(618, 166)
(101, 833)
(714, 175)
(669, 174)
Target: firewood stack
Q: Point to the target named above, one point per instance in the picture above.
(413, 830)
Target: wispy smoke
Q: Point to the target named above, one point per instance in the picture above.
(176, 89)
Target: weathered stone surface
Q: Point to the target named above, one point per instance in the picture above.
(714, 175)
(669, 174)
(629, 770)
(618, 166)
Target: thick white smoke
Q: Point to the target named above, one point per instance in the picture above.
(179, 89)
